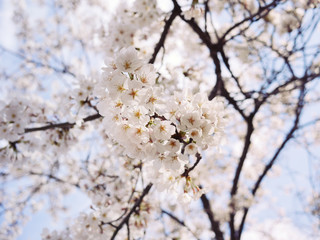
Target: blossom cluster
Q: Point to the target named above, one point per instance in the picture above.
(163, 130)
(12, 120)
(131, 26)
(152, 131)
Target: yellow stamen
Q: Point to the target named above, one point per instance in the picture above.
(191, 120)
(133, 93)
(127, 65)
(137, 114)
(162, 128)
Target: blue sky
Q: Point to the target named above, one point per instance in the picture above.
(78, 202)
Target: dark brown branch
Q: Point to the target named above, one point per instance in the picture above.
(220, 89)
(175, 12)
(233, 102)
(218, 86)
(133, 209)
(306, 78)
(176, 219)
(245, 150)
(214, 49)
(128, 230)
(236, 178)
(188, 170)
(215, 225)
(65, 125)
(205, 37)
(268, 167)
(262, 11)
(236, 79)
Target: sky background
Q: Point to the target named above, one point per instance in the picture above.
(284, 230)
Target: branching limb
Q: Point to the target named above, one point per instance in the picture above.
(262, 11)
(188, 170)
(125, 220)
(176, 219)
(268, 167)
(65, 125)
(245, 151)
(175, 12)
(219, 88)
(215, 225)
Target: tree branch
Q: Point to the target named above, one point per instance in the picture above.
(263, 11)
(219, 87)
(182, 223)
(133, 209)
(65, 125)
(245, 150)
(215, 225)
(187, 170)
(175, 12)
(236, 178)
(290, 135)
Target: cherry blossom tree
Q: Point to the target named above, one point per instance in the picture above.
(170, 116)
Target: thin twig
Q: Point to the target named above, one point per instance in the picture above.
(64, 125)
(133, 209)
